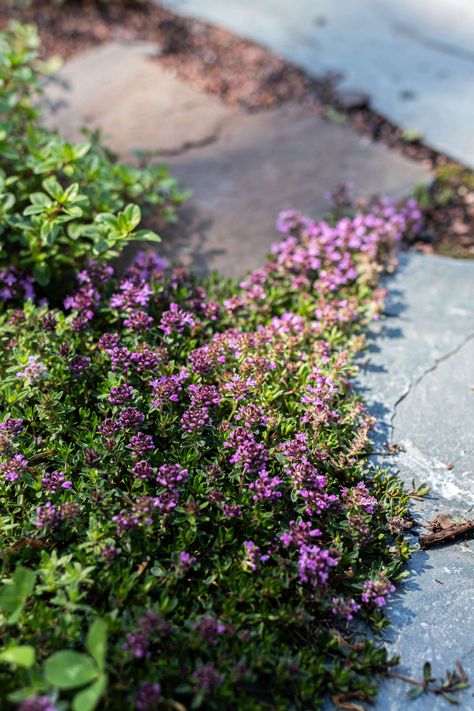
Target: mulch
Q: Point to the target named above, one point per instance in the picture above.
(251, 78)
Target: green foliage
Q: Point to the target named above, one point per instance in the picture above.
(61, 204)
(161, 565)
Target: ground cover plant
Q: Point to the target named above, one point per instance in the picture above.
(188, 516)
(60, 203)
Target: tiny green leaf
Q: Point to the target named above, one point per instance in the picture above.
(69, 669)
(21, 656)
(88, 699)
(96, 642)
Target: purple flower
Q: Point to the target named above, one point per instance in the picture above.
(252, 556)
(171, 476)
(79, 364)
(195, 418)
(14, 468)
(344, 608)
(46, 515)
(37, 703)
(121, 394)
(266, 487)
(53, 481)
(143, 470)
(377, 591)
(132, 294)
(209, 628)
(130, 418)
(50, 515)
(359, 497)
(251, 454)
(138, 644)
(176, 319)
(33, 371)
(315, 564)
(186, 560)
(138, 321)
(140, 444)
(206, 677)
(299, 534)
(167, 388)
(148, 696)
(12, 425)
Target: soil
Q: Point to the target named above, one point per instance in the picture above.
(251, 78)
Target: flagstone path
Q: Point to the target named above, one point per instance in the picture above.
(414, 59)
(419, 380)
(242, 169)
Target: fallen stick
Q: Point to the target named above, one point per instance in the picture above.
(447, 535)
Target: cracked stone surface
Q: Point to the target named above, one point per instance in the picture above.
(242, 169)
(415, 60)
(419, 382)
(137, 104)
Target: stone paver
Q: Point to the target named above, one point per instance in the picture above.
(137, 104)
(419, 382)
(415, 59)
(242, 169)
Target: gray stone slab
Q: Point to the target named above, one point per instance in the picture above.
(416, 60)
(263, 163)
(418, 382)
(242, 169)
(138, 105)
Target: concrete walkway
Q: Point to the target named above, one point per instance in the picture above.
(414, 59)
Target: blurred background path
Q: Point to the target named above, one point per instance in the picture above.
(414, 59)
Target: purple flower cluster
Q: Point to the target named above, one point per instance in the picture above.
(121, 394)
(251, 454)
(359, 497)
(14, 285)
(377, 591)
(12, 425)
(53, 481)
(345, 608)
(175, 320)
(14, 468)
(209, 628)
(167, 388)
(37, 703)
(35, 370)
(50, 515)
(315, 564)
(140, 444)
(148, 696)
(206, 677)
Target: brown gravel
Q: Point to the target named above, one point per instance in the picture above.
(249, 77)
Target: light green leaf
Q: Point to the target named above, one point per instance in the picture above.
(69, 669)
(133, 215)
(88, 699)
(147, 236)
(96, 642)
(21, 656)
(53, 188)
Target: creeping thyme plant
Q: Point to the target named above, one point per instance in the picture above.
(188, 516)
(61, 203)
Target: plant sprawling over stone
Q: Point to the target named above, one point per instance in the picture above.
(184, 464)
(61, 203)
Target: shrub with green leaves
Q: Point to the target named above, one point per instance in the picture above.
(188, 515)
(61, 204)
